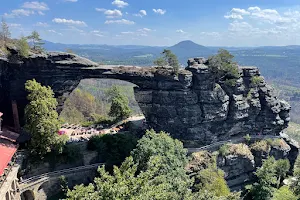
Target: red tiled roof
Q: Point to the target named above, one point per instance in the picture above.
(7, 150)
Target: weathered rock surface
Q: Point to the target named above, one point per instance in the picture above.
(191, 106)
(242, 160)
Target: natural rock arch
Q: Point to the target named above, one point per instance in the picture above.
(191, 106)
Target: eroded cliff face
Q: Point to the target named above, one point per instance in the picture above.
(192, 106)
(198, 108)
(242, 160)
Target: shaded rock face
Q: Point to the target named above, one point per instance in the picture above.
(205, 111)
(239, 170)
(192, 106)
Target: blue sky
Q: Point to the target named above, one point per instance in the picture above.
(157, 22)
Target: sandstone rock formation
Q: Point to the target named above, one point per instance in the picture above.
(242, 160)
(191, 106)
(195, 107)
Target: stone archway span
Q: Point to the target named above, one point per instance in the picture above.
(191, 105)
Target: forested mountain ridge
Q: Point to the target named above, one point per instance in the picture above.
(278, 63)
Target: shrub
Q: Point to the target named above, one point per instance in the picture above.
(112, 148)
(63, 184)
(98, 119)
(284, 193)
(256, 80)
(230, 82)
(201, 160)
(280, 143)
(261, 145)
(241, 149)
(72, 153)
(212, 180)
(23, 47)
(224, 150)
(249, 95)
(247, 138)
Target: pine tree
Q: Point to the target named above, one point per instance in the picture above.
(36, 41)
(168, 58)
(5, 33)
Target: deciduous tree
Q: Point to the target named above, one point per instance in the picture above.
(41, 117)
(263, 189)
(119, 106)
(282, 166)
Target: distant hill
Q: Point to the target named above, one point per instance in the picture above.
(277, 63)
(188, 49)
(124, 53)
(181, 47)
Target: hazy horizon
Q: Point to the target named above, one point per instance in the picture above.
(232, 23)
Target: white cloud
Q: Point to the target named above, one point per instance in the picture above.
(42, 24)
(141, 13)
(142, 34)
(35, 5)
(71, 1)
(145, 30)
(240, 27)
(127, 32)
(180, 31)
(211, 34)
(99, 35)
(53, 31)
(159, 11)
(240, 11)
(291, 13)
(120, 21)
(95, 31)
(110, 13)
(271, 16)
(73, 28)
(236, 13)
(254, 9)
(69, 22)
(18, 13)
(31, 8)
(113, 13)
(101, 9)
(120, 3)
(233, 16)
(14, 25)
